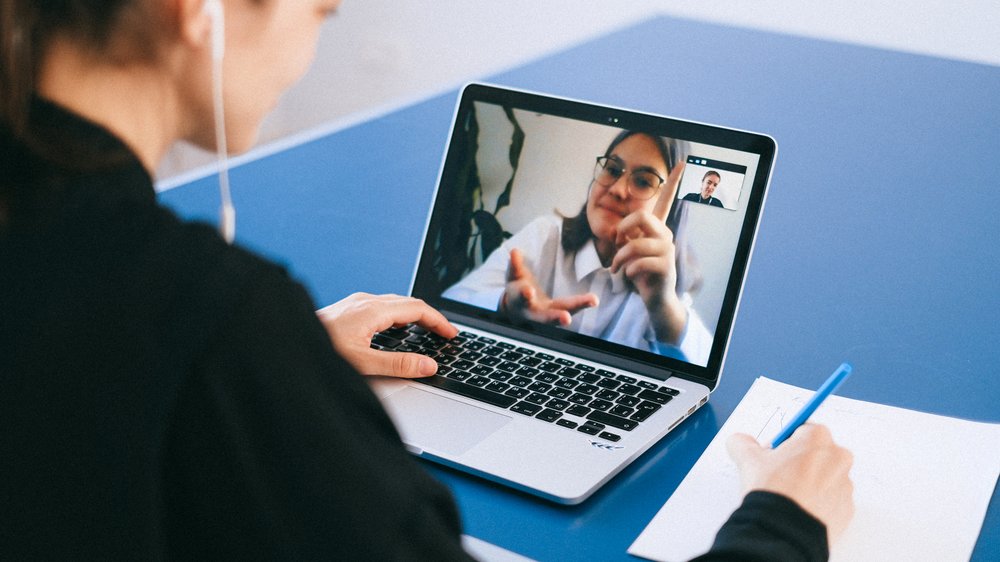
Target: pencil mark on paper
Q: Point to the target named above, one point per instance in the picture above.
(777, 417)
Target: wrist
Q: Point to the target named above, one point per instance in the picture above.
(669, 319)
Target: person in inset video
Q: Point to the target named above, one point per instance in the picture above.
(612, 270)
(709, 183)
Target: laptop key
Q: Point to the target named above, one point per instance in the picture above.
(463, 364)
(648, 407)
(609, 395)
(508, 366)
(560, 392)
(626, 400)
(482, 370)
(609, 384)
(478, 380)
(547, 377)
(417, 339)
(569, 372)
(566, 423)
(610, 436)
(469, 391)
(654, 396)
(503, 376)
(517, 392)
(550, 366)
(641, 415)
(557, 404)
(471, 355)
(621, 411)
(539, 387)
(526, 408)
(493, 351)
(489, 361)
(549, 415)
(602, 405)
(497, 386)
(537, 398)
(579, 411)
(588, 429)
(386, 341)
(630, 389)
(566, 383)
(612, 420)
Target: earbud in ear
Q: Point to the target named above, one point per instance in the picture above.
(213, 8)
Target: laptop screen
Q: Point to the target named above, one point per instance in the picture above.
(605, 229)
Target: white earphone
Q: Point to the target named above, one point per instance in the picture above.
(227, 213)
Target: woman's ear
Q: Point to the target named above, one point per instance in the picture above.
(195, 19)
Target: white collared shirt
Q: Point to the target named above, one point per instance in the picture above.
(621, 316)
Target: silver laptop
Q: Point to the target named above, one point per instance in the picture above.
(593, 259)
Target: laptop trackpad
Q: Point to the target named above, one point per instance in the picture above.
(430, 421)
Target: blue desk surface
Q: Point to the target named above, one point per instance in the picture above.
(879, 243)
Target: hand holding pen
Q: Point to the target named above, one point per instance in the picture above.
(808, 467)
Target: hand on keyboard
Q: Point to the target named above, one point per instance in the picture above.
(355, 320)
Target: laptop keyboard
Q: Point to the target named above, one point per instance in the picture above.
(531, 382)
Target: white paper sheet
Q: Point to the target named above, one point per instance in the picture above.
(922, 482)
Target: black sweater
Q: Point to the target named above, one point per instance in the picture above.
(166, 396)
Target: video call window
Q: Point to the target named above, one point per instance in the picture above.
(534, 186)
(712, 182)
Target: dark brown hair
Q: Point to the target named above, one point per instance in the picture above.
(117, 30)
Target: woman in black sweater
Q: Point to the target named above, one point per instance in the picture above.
(165, 395)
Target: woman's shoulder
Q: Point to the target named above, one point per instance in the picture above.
(212, 282)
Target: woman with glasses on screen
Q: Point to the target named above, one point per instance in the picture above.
(166, 395)
(610, 272)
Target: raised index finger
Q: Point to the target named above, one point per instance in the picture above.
(662, 206)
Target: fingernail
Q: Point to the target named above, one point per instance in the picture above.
(428, 366)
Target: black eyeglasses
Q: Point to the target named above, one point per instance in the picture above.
(642, 183)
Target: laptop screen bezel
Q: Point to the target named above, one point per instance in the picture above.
(566, 341)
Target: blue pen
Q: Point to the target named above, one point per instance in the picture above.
(831, 384)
